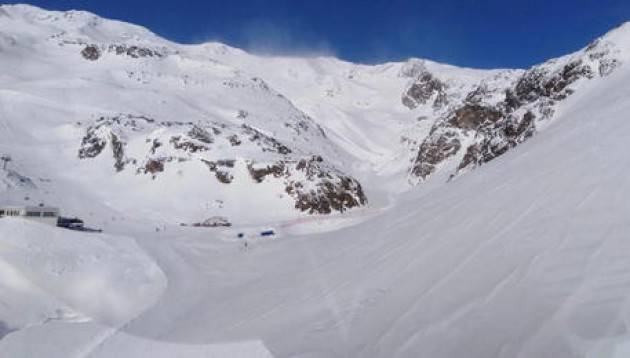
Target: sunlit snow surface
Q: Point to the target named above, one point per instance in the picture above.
(528, 256)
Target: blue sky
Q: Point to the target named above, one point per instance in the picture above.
(475, 33)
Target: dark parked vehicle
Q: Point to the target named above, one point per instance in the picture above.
(70, 223)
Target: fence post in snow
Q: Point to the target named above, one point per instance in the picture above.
(5, 160)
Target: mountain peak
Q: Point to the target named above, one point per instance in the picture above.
(34, 13)
(37, 24)
(617, 38)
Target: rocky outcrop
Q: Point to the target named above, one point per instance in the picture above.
(234, 140)
(154, 166)
(91, 52)
(480, 93)
(134, 51)
(187, 145)
(541, 83)
(474, 116)
(315, 186)
(109, 130)
(426, 87)
(220, 169)
(491, 131)
(488, 122)
(202, 135)
(265, 142)
(331, 196)
(439, 146)
(497, 140)
(190, 139)
(259, 173)
(92, 144)
(323, 189)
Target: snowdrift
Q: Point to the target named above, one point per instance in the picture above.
(49, 274)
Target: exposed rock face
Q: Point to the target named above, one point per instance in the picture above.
(438, 147)
(498, 140)
(470, 117)
(154, 166)
(425, 88)
(234, 140)
(493, 131)
(222, 175)
(265, 142)
(488, 122)
(190, 139)
(134, 51)
(91, 52)
(191, 146)
(539, 82)
(201, 134)
(315, 186)
(107, 130)
(323, 189)
(329, 197)
(259, 173)
(478, 94)
(92, 144)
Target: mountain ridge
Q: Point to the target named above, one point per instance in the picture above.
(391, 125)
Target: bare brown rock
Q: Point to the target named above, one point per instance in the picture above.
(423, 89)
(154, 166)
(472, 116)
(91, 52)
(435, 149)
(223, 175)
(259, 174)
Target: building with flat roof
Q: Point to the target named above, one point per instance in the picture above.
(44, 214)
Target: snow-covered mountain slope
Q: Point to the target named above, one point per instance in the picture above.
(132, 115)
(496, 117)
(250, 138)
(445, 120)
(525, 258)
(363, 108)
